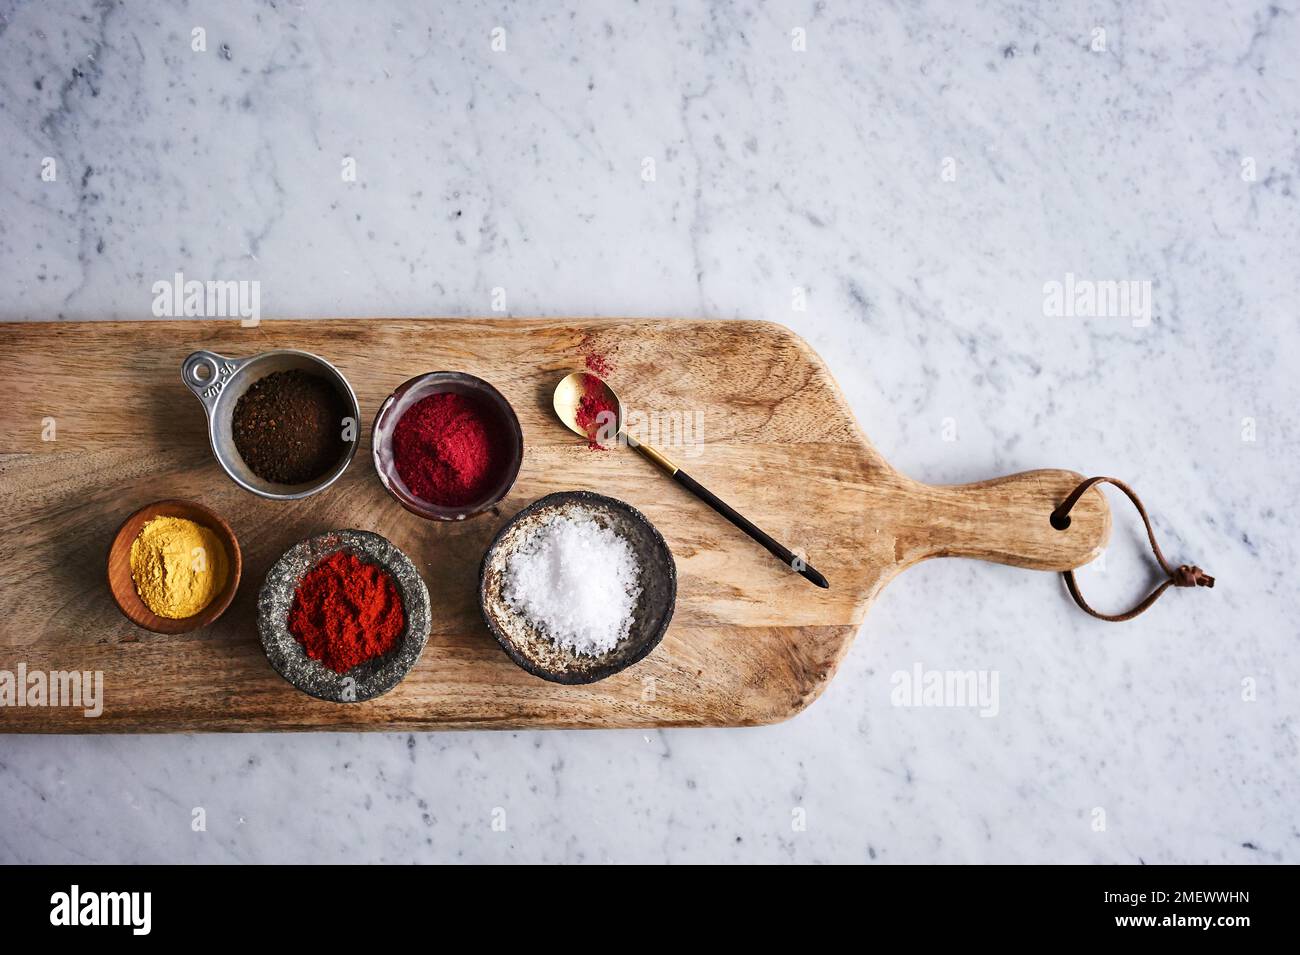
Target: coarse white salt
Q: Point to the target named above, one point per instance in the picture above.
(576, 582)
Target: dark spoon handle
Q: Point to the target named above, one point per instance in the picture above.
(781, 552)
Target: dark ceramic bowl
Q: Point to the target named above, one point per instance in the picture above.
(538, 654)
(370, 679)
(422, 386)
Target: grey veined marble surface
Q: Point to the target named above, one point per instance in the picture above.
(915, 176)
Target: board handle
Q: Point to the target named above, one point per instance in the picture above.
(1008, 520)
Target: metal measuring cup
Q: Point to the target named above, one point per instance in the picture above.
(219, 382)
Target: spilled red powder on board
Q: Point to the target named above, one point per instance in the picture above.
(598, 363)
(346, 612)
(595, 402)
(448, 449)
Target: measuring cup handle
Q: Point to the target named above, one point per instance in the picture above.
(206, 373)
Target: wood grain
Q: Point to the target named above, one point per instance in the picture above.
(750, 642)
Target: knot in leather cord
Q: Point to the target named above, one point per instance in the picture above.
(1186, 575)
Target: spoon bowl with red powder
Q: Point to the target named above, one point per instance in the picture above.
(447, 445)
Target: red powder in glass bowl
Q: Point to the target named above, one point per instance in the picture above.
(449, 450)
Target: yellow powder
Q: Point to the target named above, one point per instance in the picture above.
(178, 566)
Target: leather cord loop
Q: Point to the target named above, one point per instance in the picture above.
(1184, 575)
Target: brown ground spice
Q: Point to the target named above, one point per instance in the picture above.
(288, 427)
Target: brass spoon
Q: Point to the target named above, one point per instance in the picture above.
(568, 397)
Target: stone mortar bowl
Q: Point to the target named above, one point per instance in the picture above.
(538, 654)
(289, 658)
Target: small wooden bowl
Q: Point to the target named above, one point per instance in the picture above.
(122, 585)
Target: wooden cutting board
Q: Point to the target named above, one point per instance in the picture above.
(750, 642)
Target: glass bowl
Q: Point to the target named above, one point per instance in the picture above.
(439, 382)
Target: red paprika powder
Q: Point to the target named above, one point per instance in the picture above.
(449, 449)
(346, 612)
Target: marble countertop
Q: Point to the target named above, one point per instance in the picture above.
(900, 185)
